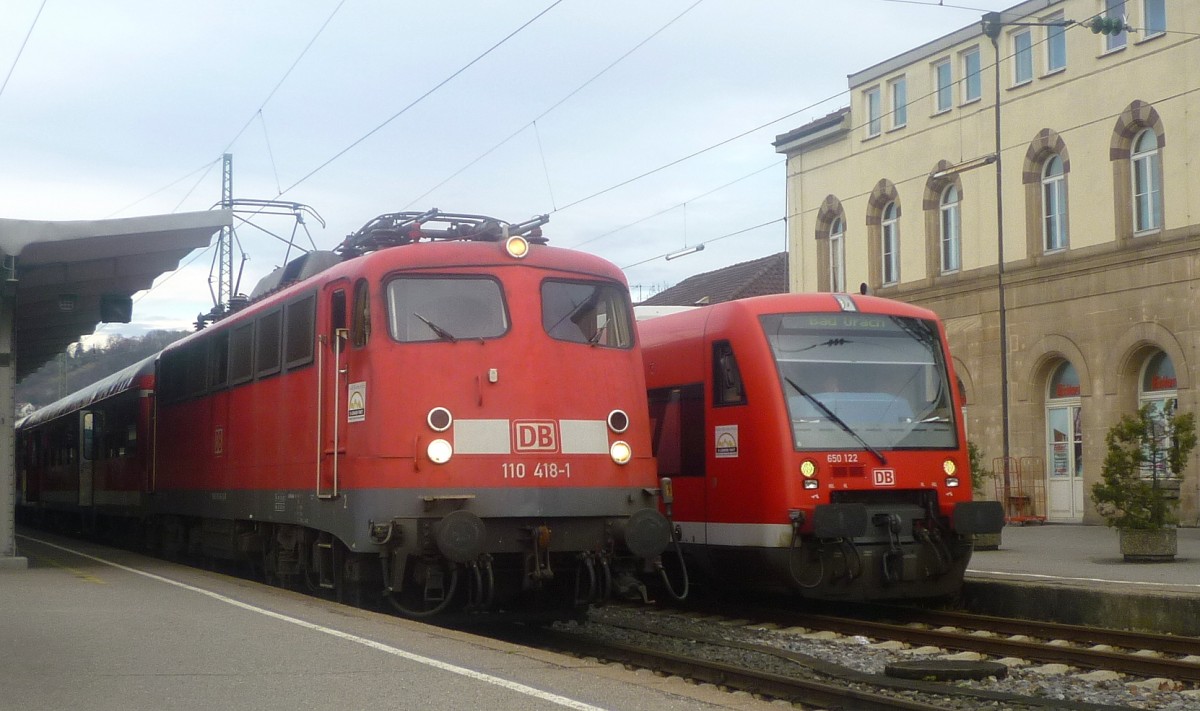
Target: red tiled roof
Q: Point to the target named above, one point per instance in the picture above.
(768, 275)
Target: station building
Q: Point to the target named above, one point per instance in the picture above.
(1037, 184)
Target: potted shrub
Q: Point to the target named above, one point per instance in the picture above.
(1138, 493)
(979, 480)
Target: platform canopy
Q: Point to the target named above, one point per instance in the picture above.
(70, 276)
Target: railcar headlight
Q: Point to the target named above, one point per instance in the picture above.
(439, 451)
(618, 421)
(620, 452)
(439, 419)
(949, 467)
(516, 246)
(808, 468)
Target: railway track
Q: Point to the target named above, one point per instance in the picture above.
(1134, 653)
(768, 670)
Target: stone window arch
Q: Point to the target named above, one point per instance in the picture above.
(883, 235)
(831, 245)
(1129, 135)
(934, 205)
(1045, 174)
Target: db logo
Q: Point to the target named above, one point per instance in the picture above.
(884, 477)
(535, 435)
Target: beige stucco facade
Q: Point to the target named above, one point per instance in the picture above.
(1119, 291)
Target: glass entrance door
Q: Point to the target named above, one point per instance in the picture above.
(1064, 440)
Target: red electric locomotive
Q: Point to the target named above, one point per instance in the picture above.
(444, 409)
(815, 445)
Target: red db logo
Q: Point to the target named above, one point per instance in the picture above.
(535, 435)
(884, 477)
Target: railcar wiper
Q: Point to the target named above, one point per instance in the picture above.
(437, 330)
(837, 421)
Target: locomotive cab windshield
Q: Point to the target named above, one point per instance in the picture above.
(855, 380)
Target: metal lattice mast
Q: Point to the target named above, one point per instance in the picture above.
(225, 246)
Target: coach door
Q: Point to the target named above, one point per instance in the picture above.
(88, 433)
(331, 369)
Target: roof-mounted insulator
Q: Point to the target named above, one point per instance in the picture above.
(401, 228)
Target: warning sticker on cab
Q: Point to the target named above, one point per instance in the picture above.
(727, 441)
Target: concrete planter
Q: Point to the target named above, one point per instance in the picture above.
(1148, 546)
(986, 541)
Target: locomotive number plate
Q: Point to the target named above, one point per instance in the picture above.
(540, 470)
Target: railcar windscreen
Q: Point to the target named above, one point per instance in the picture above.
(596, 313)
(445, 308)
(847, 376)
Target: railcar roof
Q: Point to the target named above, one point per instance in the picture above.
(118, 382)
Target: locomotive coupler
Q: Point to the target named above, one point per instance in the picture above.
(537, 564)
(893, 559)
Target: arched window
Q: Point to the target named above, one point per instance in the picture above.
(1147, 183)
(1157, 390)
(837, 256)
(1054, 205)
(889, 243)
(951, 224)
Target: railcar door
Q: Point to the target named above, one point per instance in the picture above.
(331, 393)
(87, 462)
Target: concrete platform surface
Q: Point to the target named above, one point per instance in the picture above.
(1076, 574)
(103, 629)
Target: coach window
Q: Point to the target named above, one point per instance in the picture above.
(422, 309)
(360, 328)
(218, 360)
(595, 313)
(677, 429)
(727, 378)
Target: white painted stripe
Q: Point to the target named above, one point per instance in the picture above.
(379, 646)
(1106, 581)
(481, 437)
(583, 436)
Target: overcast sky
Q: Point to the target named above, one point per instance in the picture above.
(362, 107)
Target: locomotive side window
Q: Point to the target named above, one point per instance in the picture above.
(300, 331)
(854, 378)
(218, 360)
(727, 378)
(445, 308)
(360, 329)
(677, 429)
(241, 354)
(337, 312)
(596, 313)
(268, 330)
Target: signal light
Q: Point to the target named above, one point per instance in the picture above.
(1107, 25)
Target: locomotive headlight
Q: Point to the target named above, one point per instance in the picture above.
(439, 419)
(516, 246)
(439, 451)
(618, 421)
(949, 467)
(808, 468)
(812, 484)
(620, 452)
(951, 481)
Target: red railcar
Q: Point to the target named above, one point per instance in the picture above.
(815, 444)
(446, 409)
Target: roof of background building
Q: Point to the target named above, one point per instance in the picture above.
(768, 275)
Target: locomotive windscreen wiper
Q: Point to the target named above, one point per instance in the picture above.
(437, 330)
(837, 420)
